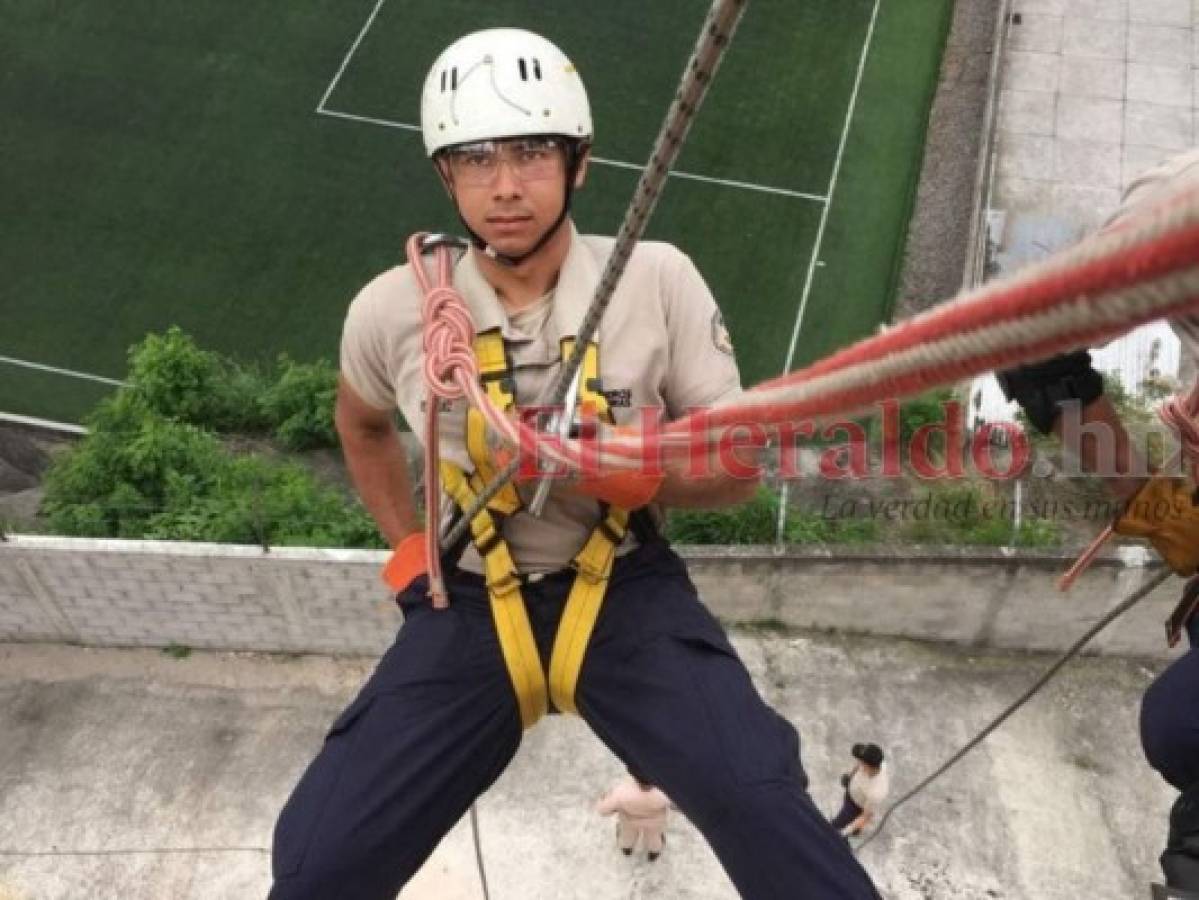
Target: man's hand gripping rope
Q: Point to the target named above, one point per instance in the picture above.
(1164, 512)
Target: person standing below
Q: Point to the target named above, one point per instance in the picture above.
(866, 789)
(641, 810)
(507, 127)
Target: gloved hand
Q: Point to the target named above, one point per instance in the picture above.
(406, 563)
(845, 780)
(626, 488)
(1164, 512)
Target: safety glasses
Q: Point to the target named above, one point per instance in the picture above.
(529, 158)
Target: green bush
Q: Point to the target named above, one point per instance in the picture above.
(756, 522)
(174, 377)
(966, 514)
(926, 409)
(254, 500)
(1038, 533)
(299, 404)
(113, 481)
(753, 522)
(178, 380)
(239, 401)
(140, 474)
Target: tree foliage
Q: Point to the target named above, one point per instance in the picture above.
(153, 465)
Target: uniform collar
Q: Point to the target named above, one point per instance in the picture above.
(576, 285)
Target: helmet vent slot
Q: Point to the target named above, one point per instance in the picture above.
(524, 69)
(536, 69)
(443, 81)
(454, 78)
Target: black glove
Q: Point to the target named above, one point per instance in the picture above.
(845, 780)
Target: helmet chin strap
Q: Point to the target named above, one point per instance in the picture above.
(512, 260)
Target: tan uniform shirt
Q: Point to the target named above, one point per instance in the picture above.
(662, 345)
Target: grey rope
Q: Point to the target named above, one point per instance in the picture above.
(474, 830)
(722, 20)
(1114, 613)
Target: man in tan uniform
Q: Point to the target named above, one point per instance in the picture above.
(507, 124)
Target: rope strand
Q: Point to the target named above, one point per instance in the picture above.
(1114, 613)
(715, 36)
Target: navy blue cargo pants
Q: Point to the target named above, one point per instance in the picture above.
(1170, 717)
(661, 686)
(1170, 737)
(849, 812)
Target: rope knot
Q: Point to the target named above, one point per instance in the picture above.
(448, 339)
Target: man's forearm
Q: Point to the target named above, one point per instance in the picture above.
(707, 492)
(728, 479)
(379, 469)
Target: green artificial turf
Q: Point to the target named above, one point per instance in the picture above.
(164, 163)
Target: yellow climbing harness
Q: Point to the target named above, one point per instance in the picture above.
(593, 564)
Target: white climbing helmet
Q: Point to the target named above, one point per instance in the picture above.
(502, 82)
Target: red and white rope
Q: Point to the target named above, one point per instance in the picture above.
(1089, 294)
(1145, 269)
(1095, 291)
(1181, 413)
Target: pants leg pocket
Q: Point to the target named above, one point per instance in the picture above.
(305, 810)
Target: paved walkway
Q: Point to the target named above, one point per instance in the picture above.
(1095, 91)
(129, 775)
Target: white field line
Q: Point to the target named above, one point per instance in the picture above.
(602, 161)
(323, 110)
(725, 182)
(46, 424)
(369, 120)
(815, 258)
(832, 187)
(55, 370)
(370, 20)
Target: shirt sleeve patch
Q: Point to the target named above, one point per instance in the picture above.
(721, 338)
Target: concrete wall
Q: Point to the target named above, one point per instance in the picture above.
(151, 593)
(145, 593)
(975, 597)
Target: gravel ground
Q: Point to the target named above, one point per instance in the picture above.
(935, 255)
(134, 775)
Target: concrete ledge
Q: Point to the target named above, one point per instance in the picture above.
(301, 600)
(213, 596)
(983, 598)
